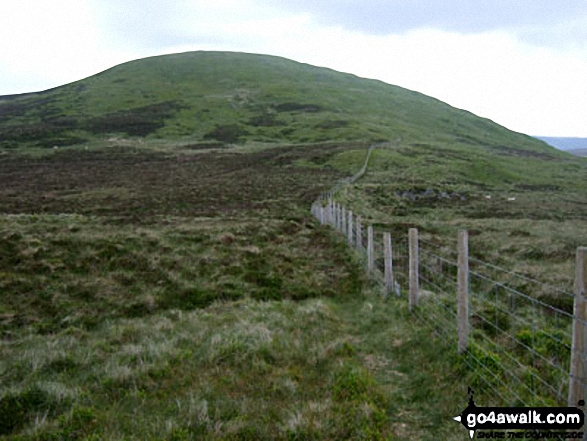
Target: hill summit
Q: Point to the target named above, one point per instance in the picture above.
(235, 97)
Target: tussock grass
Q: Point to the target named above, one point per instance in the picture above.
(61, 273)
(270, 370)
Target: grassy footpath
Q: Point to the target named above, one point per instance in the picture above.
(95, 349)
(148, 297)
(525, 211)
(178, 294)
(318, 369)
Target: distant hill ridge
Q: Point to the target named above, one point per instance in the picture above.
(230, 97)
(565, 143)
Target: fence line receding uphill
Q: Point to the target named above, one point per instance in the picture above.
(521, 349)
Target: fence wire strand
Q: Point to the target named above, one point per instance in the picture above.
(520, 345)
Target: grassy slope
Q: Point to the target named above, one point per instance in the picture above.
(442, 188)
(238, 97)
(146, 298)
(113, 259)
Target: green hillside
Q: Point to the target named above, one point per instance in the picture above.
(161, 276)
(233, 97)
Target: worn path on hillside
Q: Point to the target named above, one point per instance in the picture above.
(409, 366)
(411, 369)
(351, 180)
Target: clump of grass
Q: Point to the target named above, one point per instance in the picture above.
(255, 352)
(20, 407)
(67, 272)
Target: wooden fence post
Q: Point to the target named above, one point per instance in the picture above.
(414, 268)
(359, 234)
(343, 219)
(578, 372)
(463, 295)
(350, 228)
(322, 215)
(329, 217)
(388, 252)
(370, 250)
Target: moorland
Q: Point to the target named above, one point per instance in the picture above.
(162, 277)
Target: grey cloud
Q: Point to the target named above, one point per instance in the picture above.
(156, 24)
(466, 16)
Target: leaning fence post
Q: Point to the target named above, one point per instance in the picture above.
(463, 296)
(370, 251)
(388, 252)
(350, 228)
(414, 268)
(359, 233)
(578, 348)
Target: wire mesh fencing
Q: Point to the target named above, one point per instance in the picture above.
(522, 339)
(527, 342)
(438, 288)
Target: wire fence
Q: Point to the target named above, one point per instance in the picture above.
(518, 336)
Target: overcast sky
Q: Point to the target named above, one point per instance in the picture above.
(521, 63)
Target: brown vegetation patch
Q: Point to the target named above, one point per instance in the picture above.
(126, 181)
(140, 121)
(298, 107)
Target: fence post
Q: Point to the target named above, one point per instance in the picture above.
(331, 212)
(463, 299)
(388, 251)
(370, 251)
(343, 219)
(579, 349)
(414, 268)
(350, 228)
(322, 215)
(336, 215)
(359, 233)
